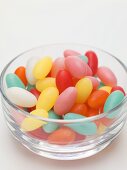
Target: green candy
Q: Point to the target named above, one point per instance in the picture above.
(12, 80)
(51, 126)
(83, 128)
(84, 58)
(29, 87)
(113, 100)
(101, 85)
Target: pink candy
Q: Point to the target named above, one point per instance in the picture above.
(77, 67)
(95, 82)
(57, 66)
(65, 101)
(71, 53)
(107, 76)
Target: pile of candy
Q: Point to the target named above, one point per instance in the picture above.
(71, 87)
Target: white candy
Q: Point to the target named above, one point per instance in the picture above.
(29, 69)
(21, 97)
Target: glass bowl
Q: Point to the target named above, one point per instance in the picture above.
(107, 129)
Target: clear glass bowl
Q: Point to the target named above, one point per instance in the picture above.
(84, 145)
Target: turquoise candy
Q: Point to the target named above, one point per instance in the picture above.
(113, 100)
(51, 126)
(83, 128)
(84, 58)
(29, 87)
(12, 80)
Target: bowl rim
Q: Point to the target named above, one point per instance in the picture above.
(25, 113)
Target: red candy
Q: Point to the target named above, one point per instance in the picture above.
(118, 88)
(92, 61)
(35, 92)
(39, 134)
(63, 80)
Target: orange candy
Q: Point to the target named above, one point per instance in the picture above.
(97, 99)
(80, 109)
(92, 112)
(62, 136)
(21, 73)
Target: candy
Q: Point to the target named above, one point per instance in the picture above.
(51, 126)
(107, 76)
(84, 88)
(83, 128)
(38, 133)
(42, 68)
(35, 92)
(84, 58)
(47, 98)
(63, 105)
(79, 109)
(21, 73)
(29, 69)
(71, 53)
(92, 112)
(30, 124)
(12, 80)
(95, 82)
(92, 61)
(77, 67)
(106, 88)
(114, 99)
(63, 80)
(21, 97)
(58, 65)
(62, 136)
(101, 85)
(97, 99)
(29, 87)
(45, 83)
(118, 88)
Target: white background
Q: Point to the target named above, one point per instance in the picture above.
(28, 23)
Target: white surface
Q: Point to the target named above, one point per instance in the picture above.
(28, 23)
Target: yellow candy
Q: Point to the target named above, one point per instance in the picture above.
(101, 128)
(45, 83)
(47, 98)
(42, 68)
(106, 88)
(84, 88)
(30, 123)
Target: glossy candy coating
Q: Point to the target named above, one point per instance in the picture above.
(84, 88)
(62, 136)
(45, 83)
(106, 88)
(58, 65)
(77, 67)
(51, 126)
(21, 73)
(92, 112)
(81, 109)
(92, 61)
(118, 88)
(30, 124)
(95, 82)
(83, 128)
(12, 80)
(65, 101)
(42, 68)
(107, 76)
(21, 97)
(114, 99)
(29, 69)
(63, 80)
(71, 53)
(97, 99)
(47, 98)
